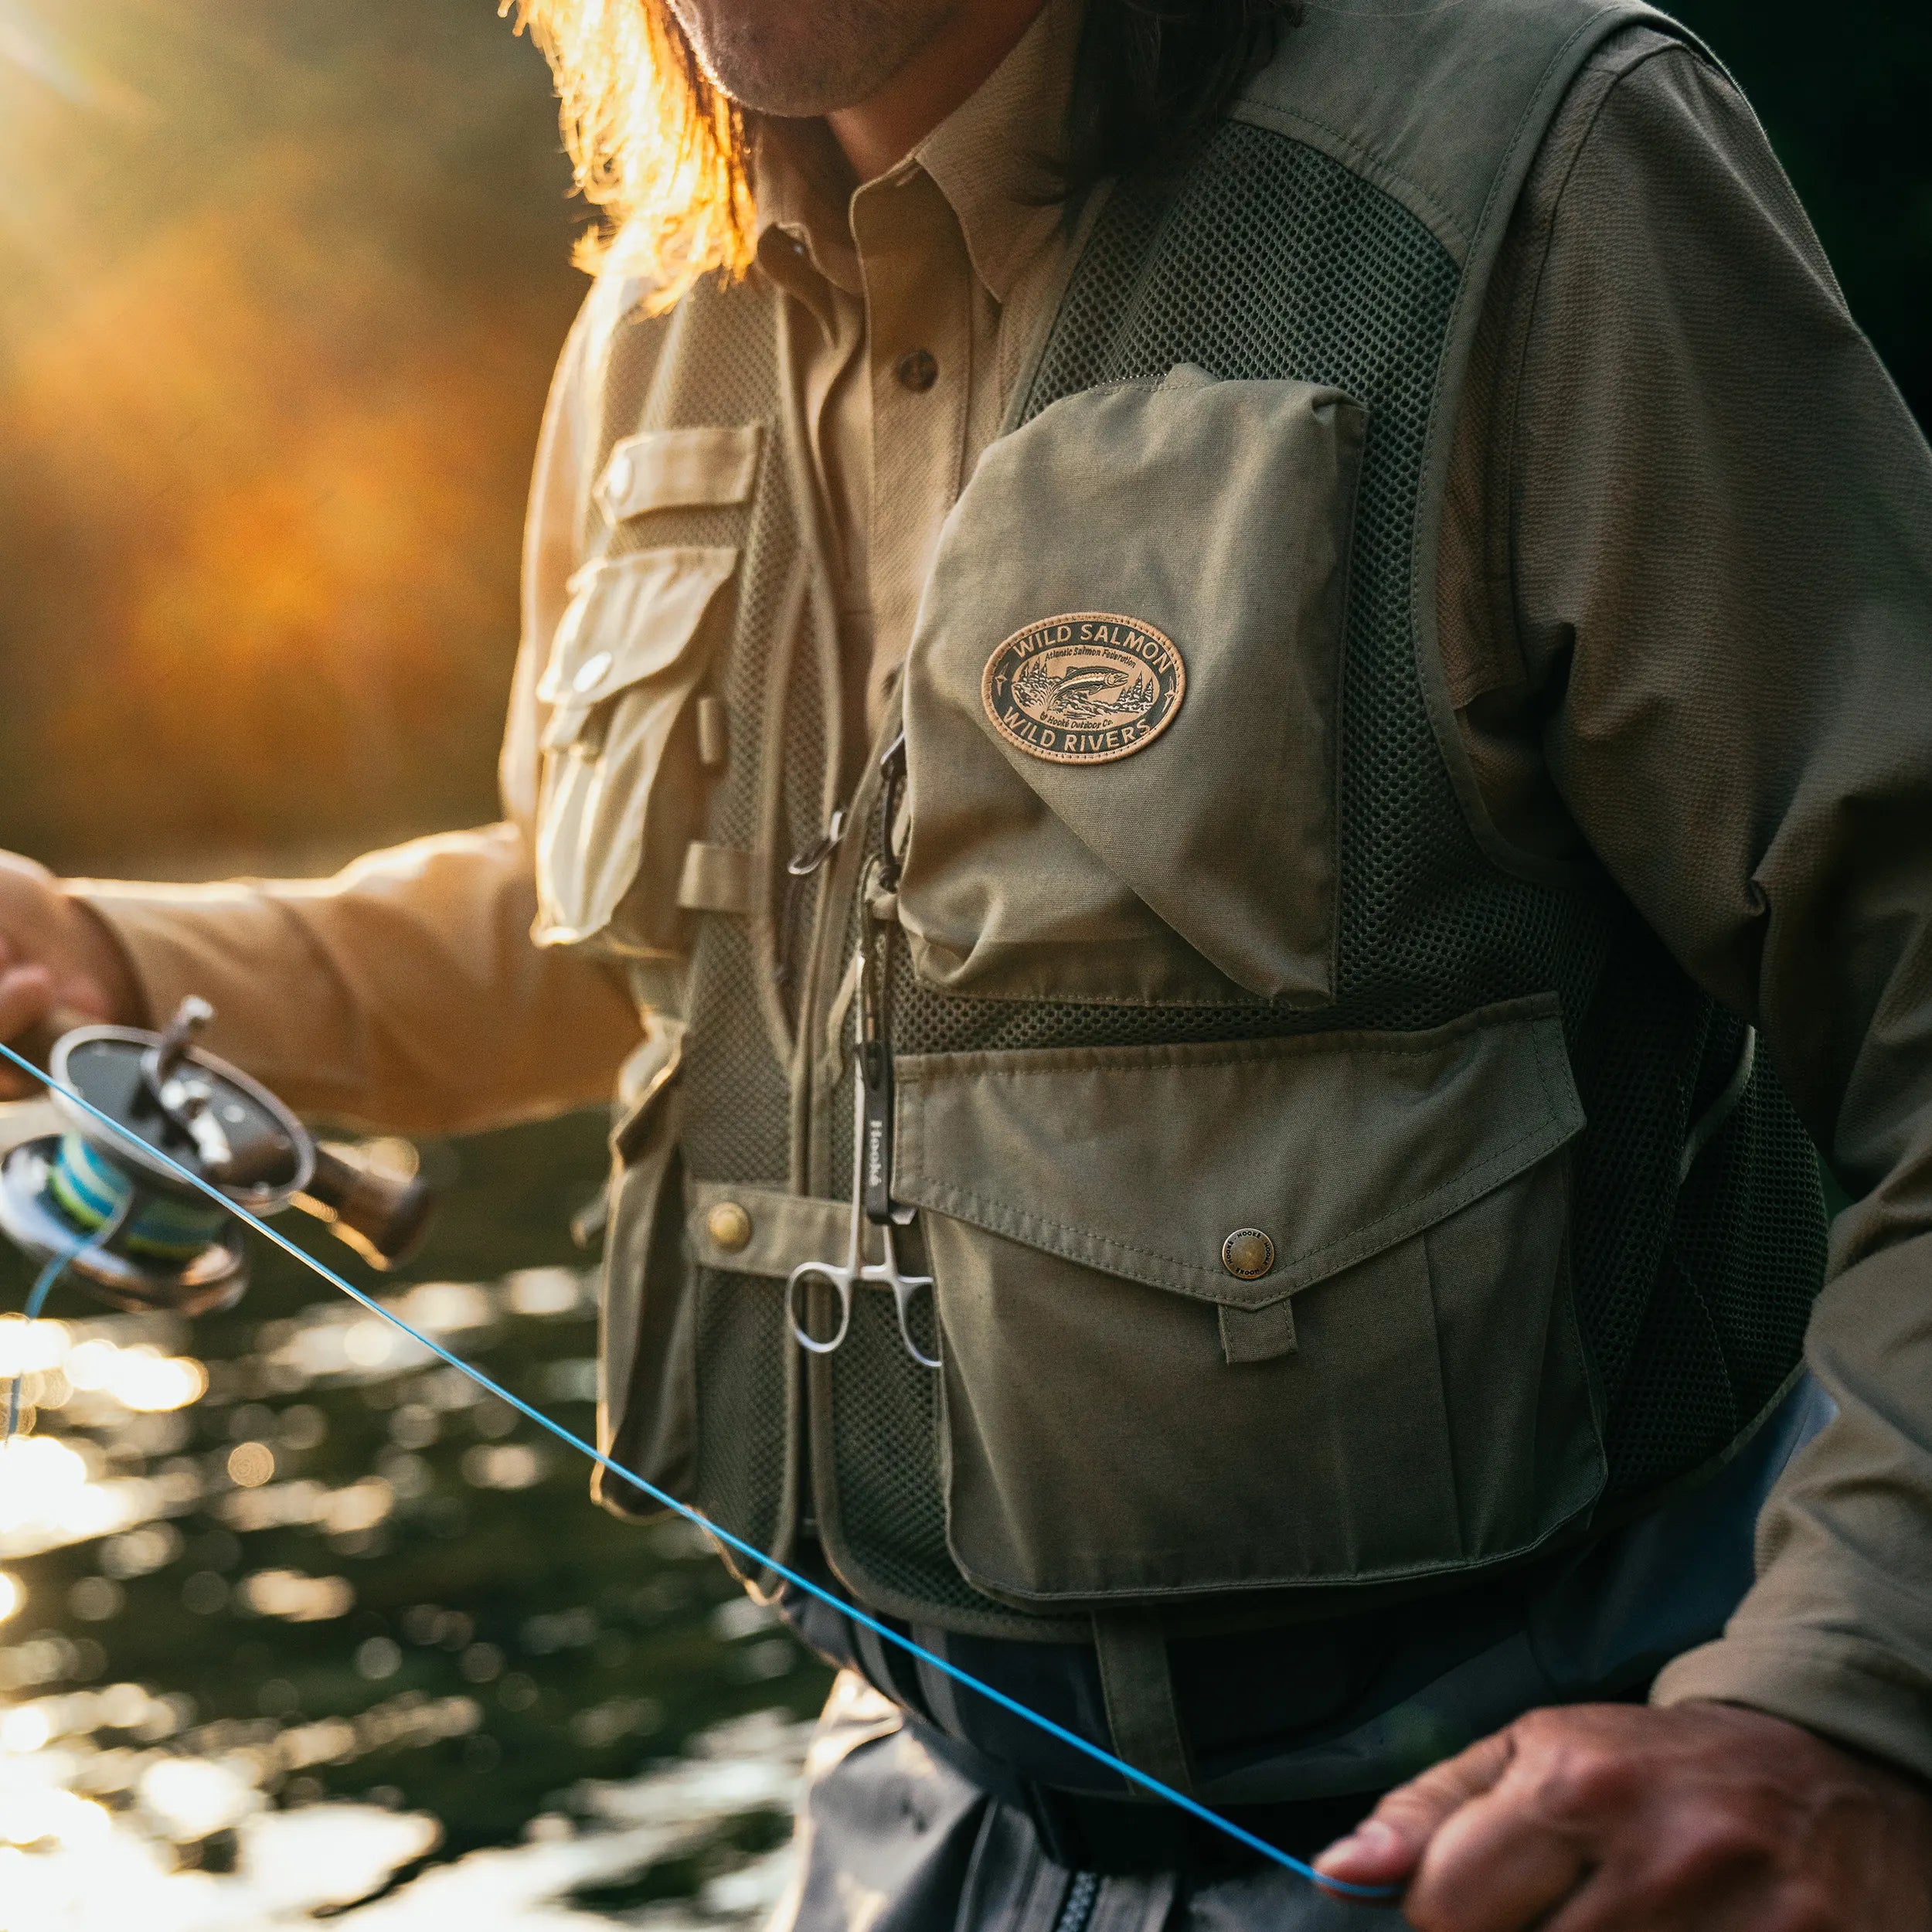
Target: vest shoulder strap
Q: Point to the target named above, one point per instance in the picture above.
(1441, 104)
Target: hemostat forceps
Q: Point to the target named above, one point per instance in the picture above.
(843, 1277)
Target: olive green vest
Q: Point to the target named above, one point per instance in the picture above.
(1320, 1196)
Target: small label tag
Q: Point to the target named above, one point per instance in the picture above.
(1084, 687)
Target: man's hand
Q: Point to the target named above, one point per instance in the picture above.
(1613, 1817)
(54, 955)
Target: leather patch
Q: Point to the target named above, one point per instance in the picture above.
(1084, 687)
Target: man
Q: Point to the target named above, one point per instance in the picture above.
(1275, 671)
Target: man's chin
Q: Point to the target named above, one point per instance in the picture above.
(796, 59)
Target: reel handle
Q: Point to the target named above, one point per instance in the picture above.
(383, 1217)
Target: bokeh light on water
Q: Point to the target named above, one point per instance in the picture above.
(293, 1620)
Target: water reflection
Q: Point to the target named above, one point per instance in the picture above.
(293, 1619)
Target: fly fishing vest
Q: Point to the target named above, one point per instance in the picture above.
(1318, 1194)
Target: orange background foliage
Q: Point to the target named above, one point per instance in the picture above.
(281, 283)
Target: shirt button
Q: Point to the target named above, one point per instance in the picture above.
(918, 370)
(728, 1226)
(591, 674)
(617, 480)
(1247, 1254)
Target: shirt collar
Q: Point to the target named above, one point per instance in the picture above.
(995, 157)
(803, 235)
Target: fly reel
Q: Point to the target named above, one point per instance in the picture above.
(110, 1208)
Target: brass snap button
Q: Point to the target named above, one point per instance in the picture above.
(918, 370)
(1247, 1254)
(591, 674)
(728, 1226)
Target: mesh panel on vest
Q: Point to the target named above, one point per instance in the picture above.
(737, 1108)
(1270, 260)
(737, 1094)
(883, 1422)
(743, 1361)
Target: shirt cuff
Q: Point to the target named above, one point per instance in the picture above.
(1853, 1693)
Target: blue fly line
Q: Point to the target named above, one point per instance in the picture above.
(1376, 1894)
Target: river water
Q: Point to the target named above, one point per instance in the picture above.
(295, 1624)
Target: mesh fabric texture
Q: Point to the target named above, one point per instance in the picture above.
(1269, 259)
(1272, 260)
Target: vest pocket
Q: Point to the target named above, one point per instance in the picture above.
(1271, 1313)
(621, 793)
(1123, 699)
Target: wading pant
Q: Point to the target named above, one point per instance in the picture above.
(893, 1837)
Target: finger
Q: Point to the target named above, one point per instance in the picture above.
(1388, 1846)
(1497, 1865)
(26, 993)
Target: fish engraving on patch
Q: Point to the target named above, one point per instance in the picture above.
(1084, 687)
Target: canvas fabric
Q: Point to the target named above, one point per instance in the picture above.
(1265, 973)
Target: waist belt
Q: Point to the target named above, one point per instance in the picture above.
(1081, 1831)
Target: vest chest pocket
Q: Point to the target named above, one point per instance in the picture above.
(621, 792)
(1284, 1312)
(1123, 701)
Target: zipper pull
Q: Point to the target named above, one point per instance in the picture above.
(807, 860)
(799, 868)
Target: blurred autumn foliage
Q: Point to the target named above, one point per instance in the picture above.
(281, 282)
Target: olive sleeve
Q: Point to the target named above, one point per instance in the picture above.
(1716, 563)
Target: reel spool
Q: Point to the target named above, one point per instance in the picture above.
(135, 1233)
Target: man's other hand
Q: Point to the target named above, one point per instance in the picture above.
(1615, 1817)
(55, 956)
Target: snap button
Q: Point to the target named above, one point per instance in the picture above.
(591, 673)
(617, 480)
(728, 1226)
(1247, 1254)
(918, 370)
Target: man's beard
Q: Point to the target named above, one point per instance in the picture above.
(795, 58)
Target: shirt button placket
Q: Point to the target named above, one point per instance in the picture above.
(917, 370)
(918, 279)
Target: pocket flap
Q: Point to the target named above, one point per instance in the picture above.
(1179, 844)
(1144, 1161)
(631, 617)
(678, 470)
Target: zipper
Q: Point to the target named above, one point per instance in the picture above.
(872, 998)
(802, 867)
(892, 783)
(850, 873)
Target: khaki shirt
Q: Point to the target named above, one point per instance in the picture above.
(1687, 596)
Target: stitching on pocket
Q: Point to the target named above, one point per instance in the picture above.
(1560, 1121)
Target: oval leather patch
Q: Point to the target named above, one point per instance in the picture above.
(1084, 687)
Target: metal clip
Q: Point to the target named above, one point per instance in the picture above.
(807, 860)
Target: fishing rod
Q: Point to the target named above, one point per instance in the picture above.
(136, 1109)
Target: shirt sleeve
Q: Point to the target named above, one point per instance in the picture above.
(406, 992)
(1717, 572)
